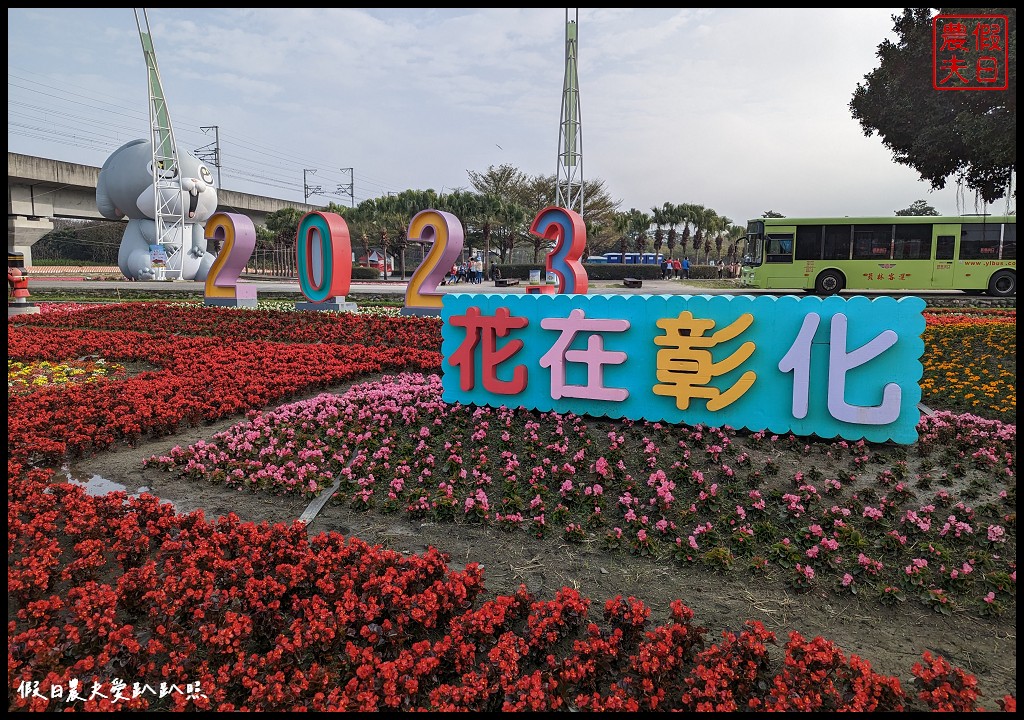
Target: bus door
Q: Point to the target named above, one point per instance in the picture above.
(779, 269)
(945, 238)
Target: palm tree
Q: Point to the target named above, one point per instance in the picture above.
(620, 221)
(460, 204)
(725, 224)
(360, 224)
(660, 218)
(690, 215)
(709, 223)
(736, 233)
(382, 221)
(513, 224)
(486, 213)
(673, 216)
(405, 206)
(639, 225)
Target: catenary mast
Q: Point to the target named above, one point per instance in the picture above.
(569, 178)
(170, 211)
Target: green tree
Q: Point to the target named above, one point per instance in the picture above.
(706, 221)
(360, 226)
(725, 225)
(674, 217)
(599, 209)
(639, 226)
(283, 226)
(737, 234)
(918, 207)
(661, 219)
(81, 240)
(970, 136)
(505, 181)
(485, 213)
(689, 214)
(621, 224)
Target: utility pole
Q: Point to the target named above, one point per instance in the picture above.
(349, 189)
(305, 185)
(212, 156)
(569, 187)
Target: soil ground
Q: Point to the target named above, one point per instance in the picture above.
(892, 639)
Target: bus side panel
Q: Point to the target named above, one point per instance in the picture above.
(799, 275)
(888, 275)
(974, 270)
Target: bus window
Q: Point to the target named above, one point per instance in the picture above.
(780, 248)
(871, 242)
(944, 247)
(837, 242)
(913, 242)
(808, 242)
(979, 242)
(1009, 241)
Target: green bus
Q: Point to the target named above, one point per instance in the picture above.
(972, 253)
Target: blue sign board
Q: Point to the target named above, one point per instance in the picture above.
(832, 366)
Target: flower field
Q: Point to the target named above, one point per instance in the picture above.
(136, 607)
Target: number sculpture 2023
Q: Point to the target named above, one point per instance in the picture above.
(324, 248)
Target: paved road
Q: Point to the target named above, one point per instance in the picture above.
(650, 287)
(398, 288)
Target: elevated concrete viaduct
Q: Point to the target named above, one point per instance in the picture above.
(40, 189)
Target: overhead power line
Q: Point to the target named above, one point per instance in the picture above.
(67, 118)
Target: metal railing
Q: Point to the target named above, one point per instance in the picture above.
(272, 262)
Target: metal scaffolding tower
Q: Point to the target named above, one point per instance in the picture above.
(170, 210)
(569, 183)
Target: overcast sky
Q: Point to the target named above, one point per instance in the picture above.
(741, 110)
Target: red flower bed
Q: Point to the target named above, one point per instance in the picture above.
(262, 618)
(203, 379)
(412, 331)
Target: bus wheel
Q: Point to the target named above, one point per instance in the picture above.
(829, 282)
(1003, 284)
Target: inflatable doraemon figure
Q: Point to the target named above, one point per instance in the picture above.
(125, 190)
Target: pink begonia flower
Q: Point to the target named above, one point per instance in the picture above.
(996, 534)
(847, 579)
(872, 512)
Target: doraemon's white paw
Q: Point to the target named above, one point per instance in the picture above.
(146, 273)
